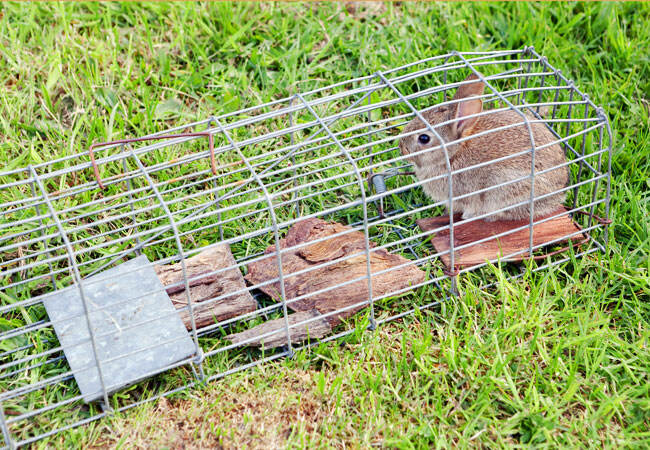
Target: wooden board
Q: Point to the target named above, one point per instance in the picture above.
(315, 329)
(467, 232)
(208, 287)
(322, 277)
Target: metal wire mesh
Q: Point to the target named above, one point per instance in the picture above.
(329, 153)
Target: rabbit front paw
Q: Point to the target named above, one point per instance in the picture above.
(467, 215)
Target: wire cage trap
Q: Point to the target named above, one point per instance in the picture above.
(142, 267)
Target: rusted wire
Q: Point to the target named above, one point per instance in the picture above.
(600, 220)
(452, 273)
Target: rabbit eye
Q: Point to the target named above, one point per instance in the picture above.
(424, 138)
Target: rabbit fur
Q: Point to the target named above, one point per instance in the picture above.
(481, 149)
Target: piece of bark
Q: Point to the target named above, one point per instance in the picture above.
(465, 233)
(204, 263)
(322, 277)
(315, 329)
(207, 287)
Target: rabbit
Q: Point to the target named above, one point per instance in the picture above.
(482, 149)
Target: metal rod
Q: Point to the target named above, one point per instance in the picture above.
(532, 150)
(129, 188)
(582, 152)
(450, 188)
(78, 281)
(276, 233)
(181, 254)
(364, 206)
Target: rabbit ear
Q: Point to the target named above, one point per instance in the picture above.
(467, 107)
(464, 109)
(471, 89)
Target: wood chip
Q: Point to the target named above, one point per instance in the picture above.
(315, 329)
(316, 255)
(207, 287)
(466, 233)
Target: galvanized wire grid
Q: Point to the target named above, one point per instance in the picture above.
(329, 153)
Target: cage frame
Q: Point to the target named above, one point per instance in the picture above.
(365, 178)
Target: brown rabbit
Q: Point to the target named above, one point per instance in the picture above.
(482, 149)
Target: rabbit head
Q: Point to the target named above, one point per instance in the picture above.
(460, 125)
(494, 137)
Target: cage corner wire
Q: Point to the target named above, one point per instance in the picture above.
(328, 154)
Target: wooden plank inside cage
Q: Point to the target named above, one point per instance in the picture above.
(207, 280)
(557, 230)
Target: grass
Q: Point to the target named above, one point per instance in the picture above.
(557, 358)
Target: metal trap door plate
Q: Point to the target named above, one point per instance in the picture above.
(137, 330)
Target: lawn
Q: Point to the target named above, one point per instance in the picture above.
(557, 358)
